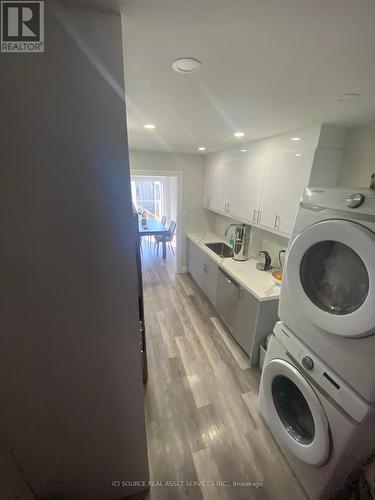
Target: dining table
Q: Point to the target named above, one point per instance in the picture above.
(154, 227)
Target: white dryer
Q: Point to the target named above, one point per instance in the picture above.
(328, 295)
(321, 425)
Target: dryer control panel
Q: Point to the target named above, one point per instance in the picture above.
(340, 199)
(325, 379)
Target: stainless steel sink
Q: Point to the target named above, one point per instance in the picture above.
(220, 249)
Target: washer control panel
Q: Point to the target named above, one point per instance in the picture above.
(355, 200)
(327, 380)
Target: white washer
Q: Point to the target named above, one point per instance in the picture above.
(328, 294)
(321, 425)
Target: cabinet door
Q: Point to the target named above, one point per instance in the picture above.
(245, 184)
(196, 264)
(273, 189)
(246, 320)
(228, 175)
(208, 183)
(219, 181)
(210, 284)
(296, 179)
(215, 183)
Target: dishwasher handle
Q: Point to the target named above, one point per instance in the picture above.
(228, 278)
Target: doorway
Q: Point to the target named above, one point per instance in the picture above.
(157, 198)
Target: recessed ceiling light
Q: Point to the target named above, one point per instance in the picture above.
(186, 65)
(239, 134)
(348, 97)
(243, 150)
(149, 126)
(298, 154)
(295, 139)
(201, 148)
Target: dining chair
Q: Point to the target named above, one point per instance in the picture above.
(169, 238)
(163, 221)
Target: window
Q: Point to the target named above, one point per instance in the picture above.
(147, 196)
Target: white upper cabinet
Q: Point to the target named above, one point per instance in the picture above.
(246, 186)
(263, 185)
(272, 190)
(297, 173)
(216, 172)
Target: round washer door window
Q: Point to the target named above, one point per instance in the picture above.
(330, 274)
(293, 409)
(294, 413)
(334, 277)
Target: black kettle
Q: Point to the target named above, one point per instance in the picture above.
(265, 262)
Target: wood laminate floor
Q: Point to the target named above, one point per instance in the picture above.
(201, 401)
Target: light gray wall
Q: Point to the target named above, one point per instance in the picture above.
(195, 218)
(71, 393)
(359, 157)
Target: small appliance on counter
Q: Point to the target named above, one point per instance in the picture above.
(265, 262)
(240, 241)
(277, 275)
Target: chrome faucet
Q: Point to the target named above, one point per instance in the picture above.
(241, 241)
(230, 225)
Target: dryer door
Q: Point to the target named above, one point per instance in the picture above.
(295, 414)
(330, 272)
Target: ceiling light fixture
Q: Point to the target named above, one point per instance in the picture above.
(243, 150)
(295, 139)
(239, 134)
(298, 154)
(186, 65)
(201, 148)
(149, 126)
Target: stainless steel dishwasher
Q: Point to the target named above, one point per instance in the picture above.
(228, 294)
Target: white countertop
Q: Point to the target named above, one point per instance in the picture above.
(259, 283)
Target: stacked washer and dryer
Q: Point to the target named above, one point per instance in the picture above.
(317, 391)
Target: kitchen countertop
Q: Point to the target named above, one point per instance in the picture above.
(259, 283)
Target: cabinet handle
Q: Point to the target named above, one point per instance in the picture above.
(275, 223)
(278, 222)
(259, 217)
(227, 207)
(254, 214)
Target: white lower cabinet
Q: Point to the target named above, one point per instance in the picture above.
(210, 280)
(196, 263)
(204, 271)
(248, 319)
(255, 320)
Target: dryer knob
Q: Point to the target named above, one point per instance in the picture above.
(308, 363)
(355, 200)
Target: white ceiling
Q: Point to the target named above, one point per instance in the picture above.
(269, 66)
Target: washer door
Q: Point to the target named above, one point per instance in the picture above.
(330, 271)
(295, 414)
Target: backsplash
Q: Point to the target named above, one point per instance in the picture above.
(259, 239)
